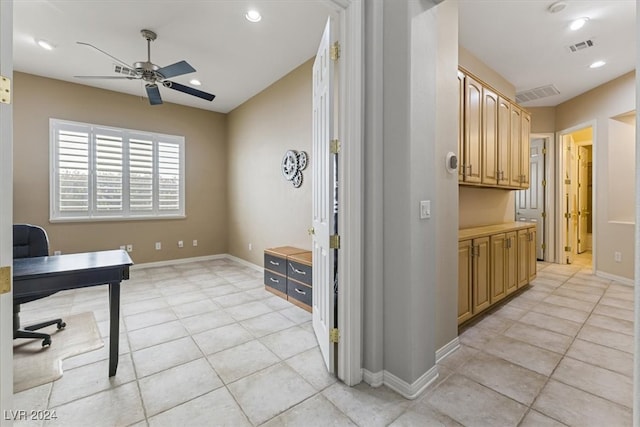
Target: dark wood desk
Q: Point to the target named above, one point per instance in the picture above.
(71, 271)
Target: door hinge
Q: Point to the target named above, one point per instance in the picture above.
(5, 279)
(335, 51)
(544, 182)
(334, 335)
(544, 214)
(567, 181)
(5, 90)
(567, 215)
(544, 246)
(567, 248)
(334, 146)
(334, 241)
(544, 151)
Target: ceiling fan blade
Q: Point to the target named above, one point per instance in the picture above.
(108, 54)
(154, 94)
(107, 77)
(177, 69)
(186, 89)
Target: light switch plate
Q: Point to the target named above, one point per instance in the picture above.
(425, 209)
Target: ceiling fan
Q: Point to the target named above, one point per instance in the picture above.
(151, 73)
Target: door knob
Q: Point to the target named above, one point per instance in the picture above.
(311, 231)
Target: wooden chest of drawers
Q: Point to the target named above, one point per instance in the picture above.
(288, 274)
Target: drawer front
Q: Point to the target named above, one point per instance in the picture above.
(275, 281)
(299, 291)
(299, 272)
(273, 263)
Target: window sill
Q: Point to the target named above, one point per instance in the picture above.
(116, 219)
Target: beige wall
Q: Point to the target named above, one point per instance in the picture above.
(36, 99)
(612, 99)
(481, 70)
(265, 210)
(622, 156)
(543, 119)
(483, 206)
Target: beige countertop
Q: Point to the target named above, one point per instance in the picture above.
(488, 230)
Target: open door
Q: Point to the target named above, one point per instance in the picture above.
(583, 198)
(530, 202)
(324, 201)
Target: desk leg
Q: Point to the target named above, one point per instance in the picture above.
(114, 330)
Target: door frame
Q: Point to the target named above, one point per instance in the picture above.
(350, 28)
(6, 213)
(558, 190)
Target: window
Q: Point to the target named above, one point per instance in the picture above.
(100, 172)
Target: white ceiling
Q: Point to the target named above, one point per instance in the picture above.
(527, 45)
(236, 59)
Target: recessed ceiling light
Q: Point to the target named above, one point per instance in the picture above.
(557, 7)
(578, 23)
(45, 44)
(195, 82)
(253, 16)
(597, 64)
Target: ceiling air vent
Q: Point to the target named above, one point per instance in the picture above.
(537, 93)
(580, 46)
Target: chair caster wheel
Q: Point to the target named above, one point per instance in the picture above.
(61, 325)
(46, 342)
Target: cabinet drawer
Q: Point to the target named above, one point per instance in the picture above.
(299, 272)
(299, 292)
(275, 281)
(273, 263)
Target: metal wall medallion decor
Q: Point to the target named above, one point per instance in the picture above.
(293, 163)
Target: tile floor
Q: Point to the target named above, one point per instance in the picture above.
(203, 344)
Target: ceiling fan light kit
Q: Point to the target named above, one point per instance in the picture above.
(152, 74)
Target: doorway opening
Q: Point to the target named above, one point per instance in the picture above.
(576, 183)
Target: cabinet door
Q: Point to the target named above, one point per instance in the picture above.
(465, 275)
(511, 263)
(504, 141)
(516, 136)
(525, 155)
(472, 130)
(533, 255)
(498, 267)
(489, 141)
(523, 257)
(481, 275)
(461, 85)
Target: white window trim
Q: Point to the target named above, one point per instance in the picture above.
(125, 214)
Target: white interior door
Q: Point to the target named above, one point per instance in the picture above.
(530, 202)
(583, 198)
(323, 198)
(569, 199)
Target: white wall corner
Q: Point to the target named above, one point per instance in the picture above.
(447, 349)
(374, 379)
(619, 279)
(413, 390)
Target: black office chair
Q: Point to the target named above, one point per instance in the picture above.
(31, 241)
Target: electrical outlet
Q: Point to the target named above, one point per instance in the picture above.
(617, 256)
(123, 247)
(195, 242)
(250, 247)
(129, 248)
(158, 246)
(57, 252)
(180, 244)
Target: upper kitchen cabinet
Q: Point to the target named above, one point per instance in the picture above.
(493, 138)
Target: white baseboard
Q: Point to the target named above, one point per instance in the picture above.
(170, 262)
(245, 263)
(619, 279)
(408, 391)
(374, 379)
(177, 261)
(413, 390)
(447, 349)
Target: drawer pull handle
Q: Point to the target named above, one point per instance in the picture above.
(274, 280)
(299, 291)
(273, 262)
(297, 271)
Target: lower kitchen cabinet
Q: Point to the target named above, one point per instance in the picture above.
(493, 262)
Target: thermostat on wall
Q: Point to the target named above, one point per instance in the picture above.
(451, 162)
